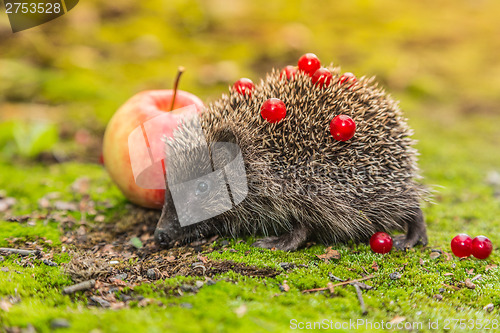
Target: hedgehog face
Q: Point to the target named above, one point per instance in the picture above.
(200, 199)
(196, 184)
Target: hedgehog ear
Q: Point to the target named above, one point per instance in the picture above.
(225, 134)
(224, 148)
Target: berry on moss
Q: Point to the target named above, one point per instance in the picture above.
(481, 247)
(381, 242)
(461, 245)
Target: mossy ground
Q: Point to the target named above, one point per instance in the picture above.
(443, 68)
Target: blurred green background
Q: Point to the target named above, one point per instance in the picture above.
(75, 71)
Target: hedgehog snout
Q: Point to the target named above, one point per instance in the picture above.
(161, 237)
(168, 227)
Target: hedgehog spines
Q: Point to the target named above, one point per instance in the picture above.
(362, 185)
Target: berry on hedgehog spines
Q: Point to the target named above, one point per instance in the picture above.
(302, 183)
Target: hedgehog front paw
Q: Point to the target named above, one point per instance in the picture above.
(403, 243)
(278, 243)
(287, 242)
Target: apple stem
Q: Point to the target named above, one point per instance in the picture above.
(180, 70)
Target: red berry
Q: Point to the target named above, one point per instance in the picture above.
(273, 110)
(322, 77)
(309, 63)
(347, 77)
(461, 245)
(289, 71)
(342, 127)
(481, 247)
(244, 86)
(381, 242)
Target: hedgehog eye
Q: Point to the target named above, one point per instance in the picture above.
(202, 187)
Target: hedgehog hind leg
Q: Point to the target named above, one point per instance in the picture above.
(290, 241)
(416, 231)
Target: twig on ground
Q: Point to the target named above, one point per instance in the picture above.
(333, 277)
(364, 286)
(17, 251)
(85, 285)
(337, 284)
(451, 287)
(477, 277)
(360, 298)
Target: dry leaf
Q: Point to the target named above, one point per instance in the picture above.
(492, 266)
(398, 319)
(330, 287)
(6, 203)
(434, 255)
(285, 287)
(81, 185)
(144, 302)
(63, 205)
(241, 310)
(489, 307)
(202, 258)
(375, 266)
(329, 254)
(108, 248)
(145, 237)
(118, 282)
(5, 305)
(99, 218)
(117, 305)
(22, 218)
(469, 284)
(44, 203)
(81, 231)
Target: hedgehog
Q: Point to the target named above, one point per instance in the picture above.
(298, 183)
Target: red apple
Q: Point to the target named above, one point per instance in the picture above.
(132, 149)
